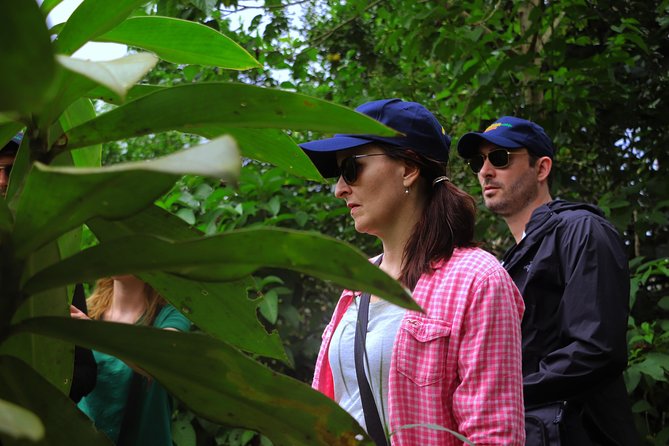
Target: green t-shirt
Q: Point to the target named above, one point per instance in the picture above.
(105, 405)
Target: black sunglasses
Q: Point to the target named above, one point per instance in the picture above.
(499, 158)
(348, 169)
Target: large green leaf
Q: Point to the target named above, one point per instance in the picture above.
(51, 358)
(27, 58)
(91, 19)
(181, 41)
(269, 145)
(48, 5)
(227, 256)
(222, 310)
(217, 381)
(64, 424)
(78, 194)
(235, 105)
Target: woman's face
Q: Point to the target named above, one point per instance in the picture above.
(377, 192)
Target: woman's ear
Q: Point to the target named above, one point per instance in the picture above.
(411, 174)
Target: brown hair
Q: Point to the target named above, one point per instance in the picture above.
(101, 300)
(447, 221)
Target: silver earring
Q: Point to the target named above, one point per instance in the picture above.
(406, 190)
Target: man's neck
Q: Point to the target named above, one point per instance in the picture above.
(519, 220)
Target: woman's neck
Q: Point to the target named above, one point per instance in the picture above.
(128, 300)
(395, 239)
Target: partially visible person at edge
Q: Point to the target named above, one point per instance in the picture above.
(126, 404)
(457, 365)
(570, 265)
(83, 377)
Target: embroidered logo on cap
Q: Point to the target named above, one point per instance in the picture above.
(492, 127)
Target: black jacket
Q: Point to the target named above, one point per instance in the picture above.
(571, 268)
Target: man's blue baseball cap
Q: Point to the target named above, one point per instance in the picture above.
(13, 144)
(510, 133)
(421, 132)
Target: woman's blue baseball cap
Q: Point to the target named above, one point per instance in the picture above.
(421, 132)
(510, 133)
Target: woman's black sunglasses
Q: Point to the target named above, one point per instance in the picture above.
(499, 158)
(348, 168)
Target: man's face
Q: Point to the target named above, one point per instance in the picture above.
(6, 163)
(508, 190)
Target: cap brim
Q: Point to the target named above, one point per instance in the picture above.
(470, 143)
(322, 152)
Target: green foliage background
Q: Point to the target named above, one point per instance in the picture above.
(594, 74)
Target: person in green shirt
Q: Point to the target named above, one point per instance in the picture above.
(129, 300)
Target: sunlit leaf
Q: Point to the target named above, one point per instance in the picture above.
(235, 105)
(91, 19)
(118, 75)
(78, 194)
(18, 422)
(181, 41)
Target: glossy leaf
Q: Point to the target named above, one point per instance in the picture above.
(235, 105)
(18, 422)
(181, 41)
(118, 75)
(91, 19)
(78, 194)
(64, 424)
(268, 145)
(224, 257)
(222, 310)
(27, 57)
(218, 382)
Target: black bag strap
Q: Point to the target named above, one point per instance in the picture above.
(131, 413)
(372, 420)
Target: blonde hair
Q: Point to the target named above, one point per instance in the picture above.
(101, 300)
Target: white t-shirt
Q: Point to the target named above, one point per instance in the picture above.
(384, 321)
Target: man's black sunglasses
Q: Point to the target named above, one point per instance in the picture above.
(348, 168)
(499, 158)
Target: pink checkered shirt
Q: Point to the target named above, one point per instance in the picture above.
(458, 365)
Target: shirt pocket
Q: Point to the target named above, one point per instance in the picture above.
(422, 346)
